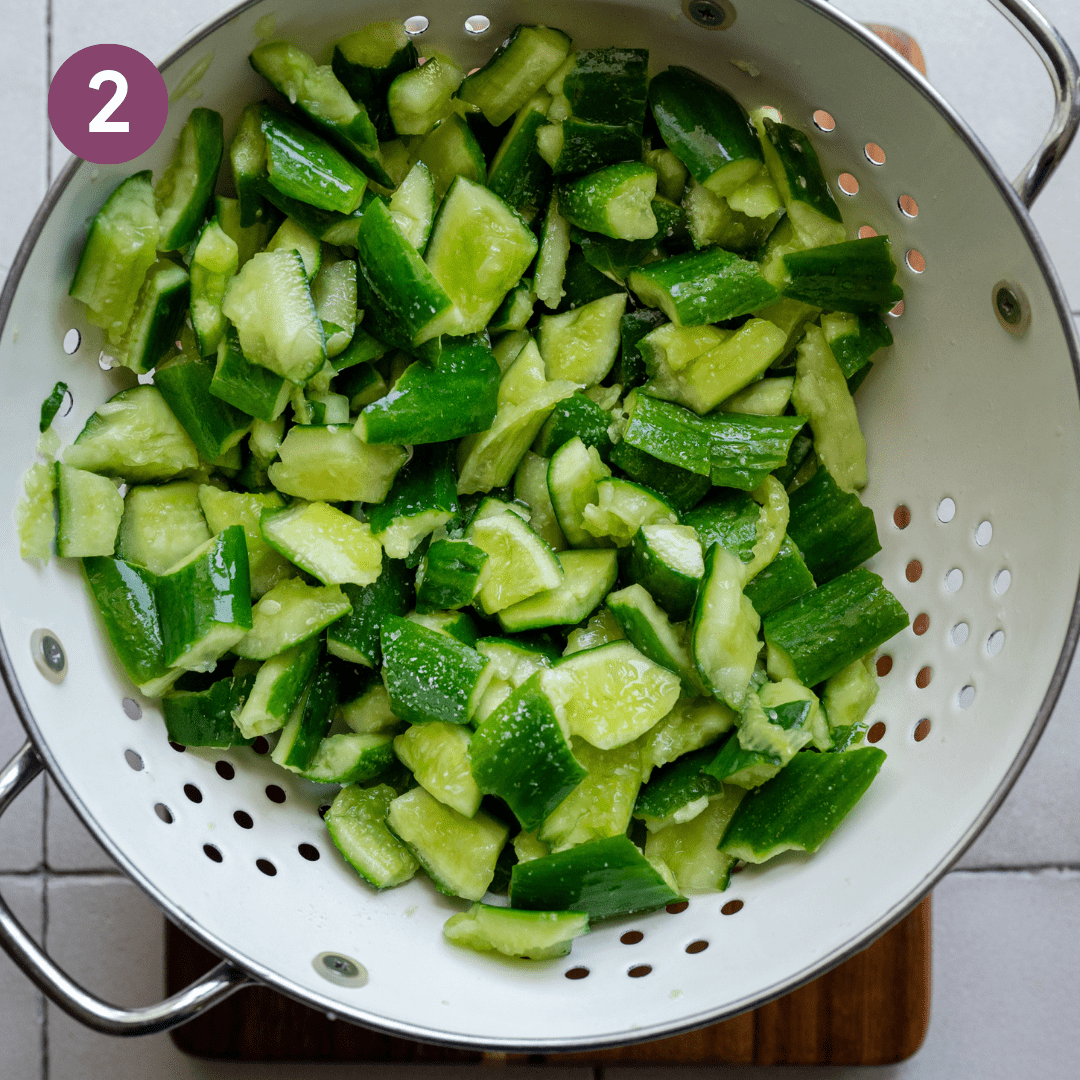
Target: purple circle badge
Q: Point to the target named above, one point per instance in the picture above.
(108, 104)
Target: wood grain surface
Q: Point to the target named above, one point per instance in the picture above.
(871, 1010)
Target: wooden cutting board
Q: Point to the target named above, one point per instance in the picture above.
(871, 1010)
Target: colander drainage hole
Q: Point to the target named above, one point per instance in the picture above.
(132, 709)
(697, 946)
(966, 696)
(874, 154)
(224, 770)
(946, 511)
(133, 760)
(959, 633)
(678, 907)
(193, 793)
(921, 624)
(847, 184)
(477, 24)
(212, 853)
(632, 937)
(908, 206)
(243, 819)
(922, 680)
(876, 732)
(1002, 581)
(72, 341)
(260, 745)
(274, 793)
(266, 866)
(984, 533)
(922, 729)
(309, 852)
(323, 810)
(639, 971)
(163, 812)
(866, 231)
(179, 748)
(901, 517)
(884, 666)
(897, 309)
(823, 121)
(416, 24)
(995, 642)
(913, 571)
(732, 907)
(954, 579)
(578, 973)
(773, 113)
(916, 261)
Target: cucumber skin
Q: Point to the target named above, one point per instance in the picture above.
(449, 576)
(425, 482)
(633, 327)
(855, 276)
(358, 630)
(520, 754)
(603, 878)
(832, 626)
(683, 489)
(518, 174)
(419, 411)
(576, 416)
(206, 128)
(124, 594)
(802, 805)
(785, 579)
(703, 125)
(677, 784)
(672, 590)
(204, 718)
(802, 169)
(728, 518)
(418, 665)
(834, 530)
(318, 706)
(706, 286)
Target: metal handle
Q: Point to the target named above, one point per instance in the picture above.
(1061, 65)
(214, 986)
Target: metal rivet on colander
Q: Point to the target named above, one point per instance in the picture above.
(340, 969)
(477, 24)
(416, 24)
(1011, 307)
(710, 14)
(49, 655)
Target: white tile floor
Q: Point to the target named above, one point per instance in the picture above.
(1006, 923)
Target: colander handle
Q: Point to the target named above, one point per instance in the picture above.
(214, 986)
(1064, 73)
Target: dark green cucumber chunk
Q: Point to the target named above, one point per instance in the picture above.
(633, 327)
(51, 406)
(204, 603)
(834, 625)
(603, 878)
(520, 754)
(681, 488)
(742, 768)
(733, 450)
(518, 68)
(124, 594)
(706, 128)
(801, 807)
(433, 403)
(785, 579)
(702, 287)
(251, 388)
(355, 636)
(449, 575)
(676, 791)
(279, 683)
(855, 276)
(304, 167)
(728, 518)
(577, 416)
(310, 720)
(834, 530)
(205, 717)
(615, 201)
(367, 62)
(518, 174)
(853, 340)
(187, 185)
(429, 675)
(159, 314)
(215, 426)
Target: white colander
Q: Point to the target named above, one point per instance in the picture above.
(973, 429)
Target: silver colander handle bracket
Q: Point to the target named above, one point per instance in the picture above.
(60, 988)
(1064, 73)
